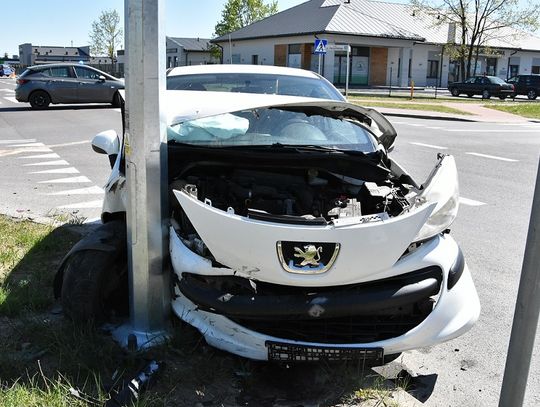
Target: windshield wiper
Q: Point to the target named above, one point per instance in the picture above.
(316, 148)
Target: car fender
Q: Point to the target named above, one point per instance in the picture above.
(109, 237)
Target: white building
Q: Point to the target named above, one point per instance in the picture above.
(391, 45)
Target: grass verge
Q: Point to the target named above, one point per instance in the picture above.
(530, 110)
(46, 360)
(411, 105)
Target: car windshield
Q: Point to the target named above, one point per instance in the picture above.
(274, 127)
(255, 83)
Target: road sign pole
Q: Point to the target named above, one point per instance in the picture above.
(526, 314)
(348, 70)
(146, 176)
(320, 62)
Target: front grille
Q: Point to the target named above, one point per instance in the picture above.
(352, 329)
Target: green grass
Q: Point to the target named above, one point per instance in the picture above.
(413, 106)
(530, 110)
(29, 256)
(43, 356)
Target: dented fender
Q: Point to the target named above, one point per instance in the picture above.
(109, 237)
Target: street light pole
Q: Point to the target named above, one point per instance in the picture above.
(526, 314)
(146, 176)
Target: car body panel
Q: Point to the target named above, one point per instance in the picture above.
(61, 83)
(476, 85)
(369, 246)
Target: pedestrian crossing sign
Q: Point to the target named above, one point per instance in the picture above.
(320, 46)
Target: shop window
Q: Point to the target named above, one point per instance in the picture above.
(235, 58)
(255, 60)
(535, 69)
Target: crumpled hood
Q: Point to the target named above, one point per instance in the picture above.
(250, 246)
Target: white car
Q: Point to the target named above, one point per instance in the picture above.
(261, 79)
(293, 235)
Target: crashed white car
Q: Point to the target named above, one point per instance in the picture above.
(294, 236)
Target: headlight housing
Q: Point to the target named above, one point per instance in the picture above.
(441, 188)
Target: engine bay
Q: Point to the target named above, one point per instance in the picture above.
(289, 195)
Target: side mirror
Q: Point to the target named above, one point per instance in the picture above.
(102, 78)
(106, 142)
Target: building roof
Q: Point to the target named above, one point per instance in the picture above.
(192, 44)
(364, 18)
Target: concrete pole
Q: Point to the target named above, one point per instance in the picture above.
(146, 174)
(526, 314)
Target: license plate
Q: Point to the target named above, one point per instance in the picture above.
(286, 352)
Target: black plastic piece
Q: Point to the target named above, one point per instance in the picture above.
(287, 219)
(456, 271)
(328, 302)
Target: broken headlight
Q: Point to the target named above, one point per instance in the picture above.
(440, 188)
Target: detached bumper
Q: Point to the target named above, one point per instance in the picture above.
(413, 309)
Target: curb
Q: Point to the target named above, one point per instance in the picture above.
(428, 117)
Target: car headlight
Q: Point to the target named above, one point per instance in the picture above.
(441, 188)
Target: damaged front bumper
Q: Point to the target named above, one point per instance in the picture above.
(428, 298)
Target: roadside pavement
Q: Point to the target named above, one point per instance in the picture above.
(478, 113)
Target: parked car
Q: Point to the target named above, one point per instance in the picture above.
(6, 70)
(252, 79)
(486, 86)
(41, 85)
(294, 236)
(526, 85)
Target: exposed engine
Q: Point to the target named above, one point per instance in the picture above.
(314, 195)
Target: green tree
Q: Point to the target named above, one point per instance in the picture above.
(477, 23)
(239, 13)
(106, 34)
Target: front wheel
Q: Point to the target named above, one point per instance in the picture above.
(486, 94)
(502, 97)
(454, 92)
(95, 282)
(39, 99)
(531, 94)
(470, 95)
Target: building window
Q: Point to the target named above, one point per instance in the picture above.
(172, 50)
(169, 62)
(535, 69)
(491, 66)
(294, 57)
(255, 60)
(235, 58)
(432, 69)
(175, 61)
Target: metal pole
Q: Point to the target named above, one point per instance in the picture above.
(146, 176)
(348, 70)
(230, 49)
(320, 59)
(390, 90)
(526, 314)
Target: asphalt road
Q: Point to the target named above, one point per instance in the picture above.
(47, 166)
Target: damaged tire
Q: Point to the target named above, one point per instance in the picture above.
(95, 282)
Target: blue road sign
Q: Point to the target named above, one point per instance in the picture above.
(320, 46)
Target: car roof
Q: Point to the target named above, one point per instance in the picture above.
(241, 68)
(60, 65)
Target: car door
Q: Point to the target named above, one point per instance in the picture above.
(60, 83)
(468, 86)
(92, 89)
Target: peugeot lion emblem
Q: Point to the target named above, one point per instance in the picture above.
(307, 257)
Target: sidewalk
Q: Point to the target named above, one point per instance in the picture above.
(478, 114)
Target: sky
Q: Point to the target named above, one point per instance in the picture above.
(59, 22)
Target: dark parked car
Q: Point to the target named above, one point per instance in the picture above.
(486, 86)
(526, 85)
(42, 85)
